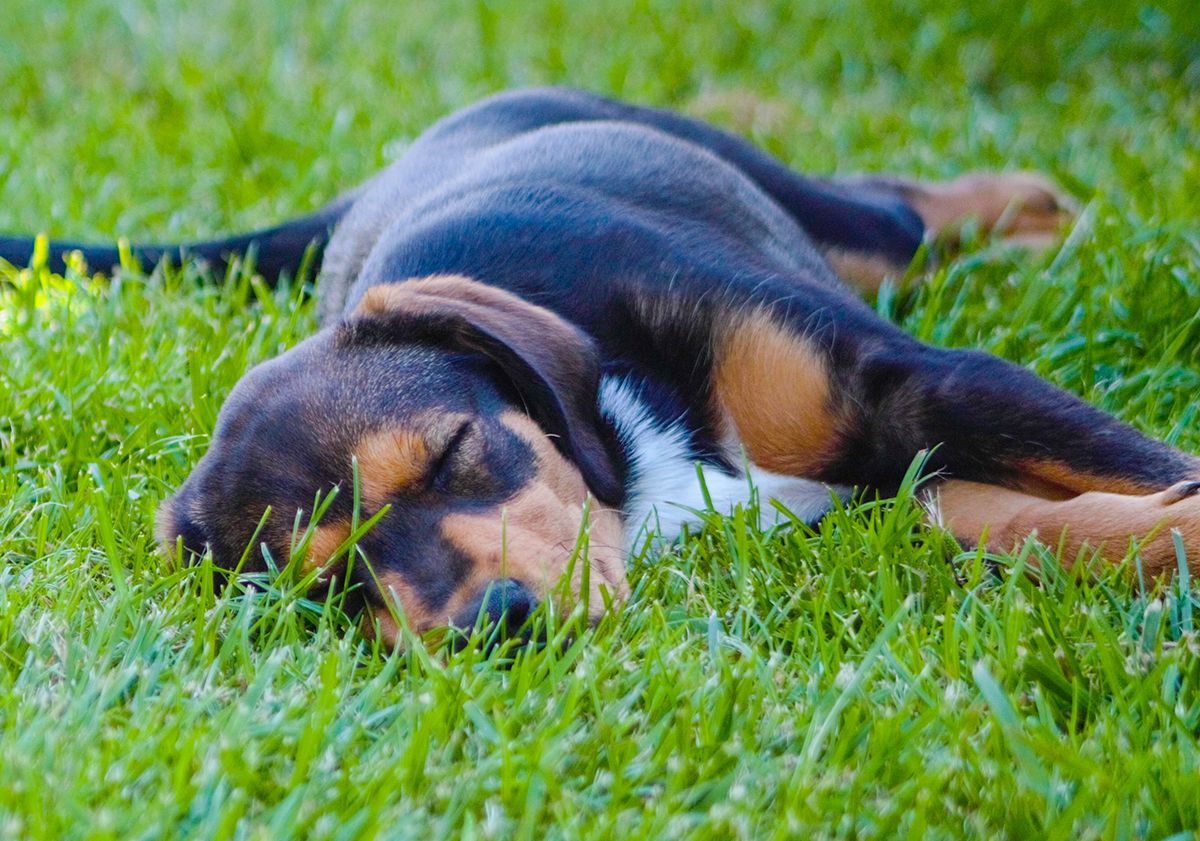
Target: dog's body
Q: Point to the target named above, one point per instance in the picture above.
(553, 306)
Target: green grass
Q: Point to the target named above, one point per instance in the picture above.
(866, 681)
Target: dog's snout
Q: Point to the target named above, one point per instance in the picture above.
(505, 604)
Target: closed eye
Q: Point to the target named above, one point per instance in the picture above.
(444, 461)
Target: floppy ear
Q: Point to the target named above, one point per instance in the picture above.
(554, 365)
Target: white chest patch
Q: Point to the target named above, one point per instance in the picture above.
(665, 490)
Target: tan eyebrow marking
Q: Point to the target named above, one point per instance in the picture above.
(390, 461)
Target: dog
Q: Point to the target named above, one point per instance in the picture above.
(554, 307)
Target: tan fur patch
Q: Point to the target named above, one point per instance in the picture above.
(1076, 481)
(324, 542)
(389, 628)
(865, 272)
(531, 536)
(1093, 521)
(390, 461)
(401, 600)
(1024, 206)
(378, 300)
(394, 297)
(968, 509)
(774, 387)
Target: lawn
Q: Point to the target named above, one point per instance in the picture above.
(870, 680)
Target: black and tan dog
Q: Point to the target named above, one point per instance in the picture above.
(539, 319)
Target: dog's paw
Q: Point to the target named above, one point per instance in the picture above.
(1111, 523)
(1175, 510)
(1023, 208)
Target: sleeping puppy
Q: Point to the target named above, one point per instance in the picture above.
(553, 307)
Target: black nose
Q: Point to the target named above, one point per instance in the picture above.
(504, 604)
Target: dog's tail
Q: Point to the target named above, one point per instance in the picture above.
(282, 249)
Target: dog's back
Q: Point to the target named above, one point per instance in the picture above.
(565, 197)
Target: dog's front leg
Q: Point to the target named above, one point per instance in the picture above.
(833, 393)
(1090, 522)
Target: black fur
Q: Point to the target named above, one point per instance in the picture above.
(276, 251)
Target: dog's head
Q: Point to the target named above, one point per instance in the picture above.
(471, 413)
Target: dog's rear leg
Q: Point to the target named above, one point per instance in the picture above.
(1024, 209)
(870, 228)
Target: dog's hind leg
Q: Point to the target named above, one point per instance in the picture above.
(866, 230)
(870, 228)
(1025, 209)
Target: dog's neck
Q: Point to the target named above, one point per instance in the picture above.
(671, 484)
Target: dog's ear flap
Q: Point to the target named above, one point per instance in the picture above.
(554, 365)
